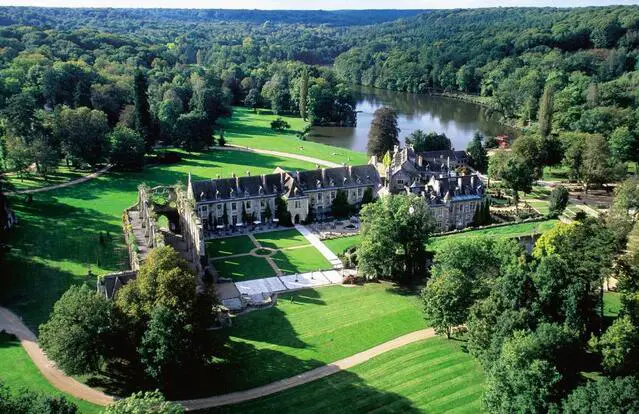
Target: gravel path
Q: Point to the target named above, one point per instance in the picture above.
(12, 324)
(67, 184)
(309, 376)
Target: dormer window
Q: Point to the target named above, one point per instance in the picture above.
(345, 179)
(202, 197)
(260, 190)
(246, 193)
(217, 194)
(319, 184)
(331, 183)
(232, 193)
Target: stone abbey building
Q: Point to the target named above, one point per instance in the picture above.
(442, 178)
(303, 192)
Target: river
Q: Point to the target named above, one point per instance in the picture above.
(457, 119)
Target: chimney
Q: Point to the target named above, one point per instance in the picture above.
(248, 173)
(448, 162)
(420, 160)
(395, 149)
(350, 171)
(323, 175)
(317, 166)
(237, 183)
(233, 175)
(297, 176)
(218, 176)
(264, 180)
(282, 179)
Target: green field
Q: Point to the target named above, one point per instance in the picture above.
(17, 371)
(229, 246)
(61, 175)
(249, 129)
(313, 327)
(513, 230)
(612, 304)
(339, 245)
(302, 260)
(57, 239)
(244, 268)
(433, 376)
(281, 239)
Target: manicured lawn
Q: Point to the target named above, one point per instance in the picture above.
(281, 239)
(61, 175)
(305, 259)
(513, 230)
(341, 244)
(229, 246)
(313, 327)
(612, 304)
(244, 268)
(249, 129)
(57, 239)
(433, 376)
(17, 371)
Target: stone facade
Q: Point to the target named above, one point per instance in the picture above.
(452, 196)
(303, 191)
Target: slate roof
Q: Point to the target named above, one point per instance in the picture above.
(450, 188)
(289, 184)
(108, 285)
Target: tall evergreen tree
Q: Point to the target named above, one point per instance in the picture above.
(142, 113)
(304, 94)
(545, 111)
(384, 132)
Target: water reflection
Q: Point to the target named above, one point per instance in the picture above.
(457, 119)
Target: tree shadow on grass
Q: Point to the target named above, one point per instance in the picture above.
(269, 326)
(304, 296)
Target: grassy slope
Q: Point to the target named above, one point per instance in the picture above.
(56, 240)
(434, 376)
(17, 371)
(314, 327)
(338, 246)
(249, 129)
(612, 304)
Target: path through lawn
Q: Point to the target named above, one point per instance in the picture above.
(313, 327)
(435, 376)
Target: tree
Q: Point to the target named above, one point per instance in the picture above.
(282, 213)
(514, 173)
(252, 99)
(394, 232)
(304, 93)
(619, 347)
(164, 279)
(339, 206)
(431, 141)
(558, 200)
(446, 299)
(127, 148)
(83, 133)
(167, 344)
(279, 125)
(528, 375)
(144, 402)
(27, 402)
(477, 153)
(527, 149)
(367, 197)
(546, 110)
(142, 113)
(80, 331)
(194, 131)
(597, 167)
(221, 141)
(383, 133)
(618, 395)
(623, 145)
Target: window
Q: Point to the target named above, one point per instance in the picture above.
(400, 181)
(360, 191)
(248, 204)
(333, 194)
(319, 196)
(233, 206)
(297, 204)
(219, 207)
(262, 203)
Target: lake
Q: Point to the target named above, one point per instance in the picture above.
(457, 119)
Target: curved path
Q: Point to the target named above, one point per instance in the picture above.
(12, 324)
(308, 376)
(67, 184)
(232, 147)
